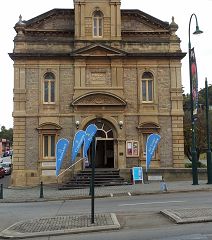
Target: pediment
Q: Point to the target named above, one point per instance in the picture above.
(149, 125)
(99, 99)
(49, 126)
(138, 21)
(54, 20)
(98, 50)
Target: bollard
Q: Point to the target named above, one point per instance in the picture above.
(41, 189)
(1, 192)
(90, 187)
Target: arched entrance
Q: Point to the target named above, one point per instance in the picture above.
(105, 147)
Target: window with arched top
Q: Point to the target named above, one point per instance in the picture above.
(97, 24)
(146, 130)
(147, 85)
(49, 88)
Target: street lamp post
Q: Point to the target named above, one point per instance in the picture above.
(209, 163)
(193, 147)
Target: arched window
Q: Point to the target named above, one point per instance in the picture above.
(97, 24)
(147, 87)
(147, 129)
(49, 88)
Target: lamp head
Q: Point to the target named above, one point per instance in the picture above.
(197, 31)
(77, 124)
(121, 124)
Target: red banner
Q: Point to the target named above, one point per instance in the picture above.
(194, 77)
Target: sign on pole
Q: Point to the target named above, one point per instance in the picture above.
(194, 82)
(61, 149)
(77, 143)
(151, 145)
(89, 134)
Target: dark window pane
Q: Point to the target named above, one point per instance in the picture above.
(100, 134)
(100, 27)
(52, 91)
(52, 146)
(147, 75)
(98, 14)
(99, 124)
(46, 92)
(110, 134)
(150, 90)
(95, 27)
(144, 90)
(49, 76)
(45, 146)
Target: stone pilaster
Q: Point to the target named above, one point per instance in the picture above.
(18, 177)
(178, 142)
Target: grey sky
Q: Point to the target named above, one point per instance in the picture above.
(163, 9)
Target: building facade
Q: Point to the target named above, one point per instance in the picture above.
(96, 63)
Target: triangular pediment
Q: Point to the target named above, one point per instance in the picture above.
(99, 99)
(54, 20)
(138, 21)
(98, 50)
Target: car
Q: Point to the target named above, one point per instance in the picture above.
(7, 167)
(2, 172)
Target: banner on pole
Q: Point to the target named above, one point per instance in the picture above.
(77, 143)
(61, 149)
(89, 134)
(194, 79)
(151, 145)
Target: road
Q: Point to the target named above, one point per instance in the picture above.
(6, 180)
(138, 215)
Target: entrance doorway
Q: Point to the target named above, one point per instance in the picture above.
(104, 145)
(104, 153)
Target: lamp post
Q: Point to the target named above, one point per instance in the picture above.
(209, 163)
(193, 146)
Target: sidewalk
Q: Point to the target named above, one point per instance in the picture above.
(68, 224)
(51, 193)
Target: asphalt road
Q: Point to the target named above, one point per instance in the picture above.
(6, 180)
(139, 216)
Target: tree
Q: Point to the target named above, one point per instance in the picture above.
(200, 123)
(6, 133)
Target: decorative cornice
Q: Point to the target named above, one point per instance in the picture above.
(174, 55)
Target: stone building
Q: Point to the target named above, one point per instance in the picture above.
(96, 63)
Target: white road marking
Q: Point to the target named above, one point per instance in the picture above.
(149, 203)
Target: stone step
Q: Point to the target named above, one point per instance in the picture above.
(103, 177)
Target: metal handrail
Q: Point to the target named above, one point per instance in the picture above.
(81, 159)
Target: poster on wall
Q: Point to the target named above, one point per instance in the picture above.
(132, 148)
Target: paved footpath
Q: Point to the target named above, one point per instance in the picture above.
(82, 223)
(51, 192)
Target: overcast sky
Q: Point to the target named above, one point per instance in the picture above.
(161, 9)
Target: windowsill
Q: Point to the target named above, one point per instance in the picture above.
(51, 103)
(147, 102)
(47, 160)
(98, 37)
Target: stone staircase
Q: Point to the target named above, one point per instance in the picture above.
(103, 177)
